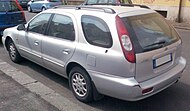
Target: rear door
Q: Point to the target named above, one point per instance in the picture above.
(59, 44)
(157, 45)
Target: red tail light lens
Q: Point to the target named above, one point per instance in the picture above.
(125, 41)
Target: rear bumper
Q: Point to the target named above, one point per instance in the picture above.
(129, 89)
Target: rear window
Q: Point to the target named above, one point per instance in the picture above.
(8, 6)
(151, 32)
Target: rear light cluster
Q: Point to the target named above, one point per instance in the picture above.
(125, 41)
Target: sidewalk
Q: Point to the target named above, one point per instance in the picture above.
(184, 26)
(15, 97)
(20, 92)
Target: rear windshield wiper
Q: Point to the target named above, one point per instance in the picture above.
(154, 45)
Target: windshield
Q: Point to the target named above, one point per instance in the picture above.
(152, 31)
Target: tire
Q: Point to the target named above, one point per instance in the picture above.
(43, 9)
(29, 9)
(13, 52)
(80, 84)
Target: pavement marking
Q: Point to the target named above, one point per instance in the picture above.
(37, 87)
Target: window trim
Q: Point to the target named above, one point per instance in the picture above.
(44, 33)
(101, 21)
(48, 28)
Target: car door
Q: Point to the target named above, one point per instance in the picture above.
(59, 44)
(30, 41)
(35, 5)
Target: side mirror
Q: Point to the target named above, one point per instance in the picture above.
(21, 27)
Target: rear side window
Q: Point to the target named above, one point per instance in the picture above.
(151, 31)
(96, 31)
(8, 6)
(62, 27)
(39, 24)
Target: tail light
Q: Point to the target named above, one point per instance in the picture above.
(125, 41)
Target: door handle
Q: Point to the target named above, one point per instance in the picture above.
(36, 43)
(66, 51)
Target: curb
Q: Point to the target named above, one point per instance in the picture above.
(40, 89)
(185, 28)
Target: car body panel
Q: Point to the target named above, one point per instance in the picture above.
(109, 70)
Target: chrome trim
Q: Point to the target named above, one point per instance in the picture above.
(30, 52)
(49, 60)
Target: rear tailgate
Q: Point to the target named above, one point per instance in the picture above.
(3, 16)
(10, 14)
(15, 17)
(157, 45)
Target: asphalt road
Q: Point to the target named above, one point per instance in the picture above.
(175, 98)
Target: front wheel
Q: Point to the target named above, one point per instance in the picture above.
(13, 52)
(80, 84)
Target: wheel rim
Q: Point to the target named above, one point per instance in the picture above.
(79, 84)
(12, 51)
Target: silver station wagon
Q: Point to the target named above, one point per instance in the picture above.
(126, 52)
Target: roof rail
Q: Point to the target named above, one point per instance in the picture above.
(65, 6)
(105, 9)
(120, 4)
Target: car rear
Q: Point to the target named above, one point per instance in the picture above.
(11, 14)
(153, 45)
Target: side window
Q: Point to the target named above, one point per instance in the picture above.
(96, 31)
(62, 27)
(39, 24)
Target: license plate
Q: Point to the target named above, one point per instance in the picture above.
(162, 60)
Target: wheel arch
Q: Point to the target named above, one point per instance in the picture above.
(96, 95)
(6, 42)
(72, 65)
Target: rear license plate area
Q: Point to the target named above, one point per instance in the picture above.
(162, 60)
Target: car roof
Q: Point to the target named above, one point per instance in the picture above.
(130, 10)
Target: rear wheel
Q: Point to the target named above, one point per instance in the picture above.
(13, 52)
(80, 84)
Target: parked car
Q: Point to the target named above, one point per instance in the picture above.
(23, 3)
(11, 14)
(124, 52)
(41, 5)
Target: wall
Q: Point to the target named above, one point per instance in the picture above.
(170, 6)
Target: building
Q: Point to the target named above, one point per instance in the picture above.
(175, 10)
